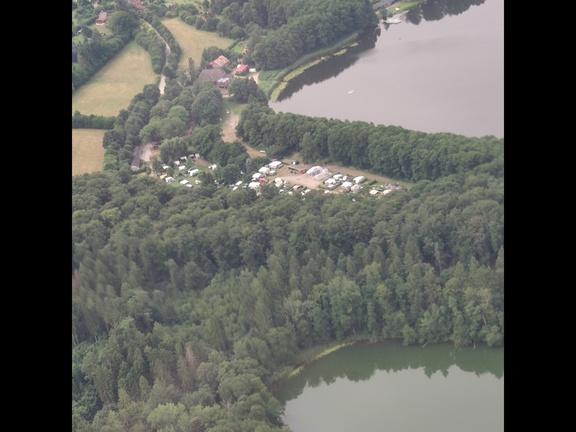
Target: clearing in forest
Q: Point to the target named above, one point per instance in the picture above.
(193, 41)
(87, 151)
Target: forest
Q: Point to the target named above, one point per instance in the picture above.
(188, 305)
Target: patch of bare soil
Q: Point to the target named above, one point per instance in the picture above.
(229, 127)
(297, 179)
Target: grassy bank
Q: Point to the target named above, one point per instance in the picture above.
(310, 355)
(273, 82)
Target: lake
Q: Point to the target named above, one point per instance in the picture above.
(390, 387)
(440, 70)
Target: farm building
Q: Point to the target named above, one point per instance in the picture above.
(224, 82)
(241, 69)
(220, 62)
(214, 76)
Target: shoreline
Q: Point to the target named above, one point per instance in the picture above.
(286, 75)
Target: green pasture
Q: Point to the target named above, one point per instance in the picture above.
(193, 41)
(115, 85)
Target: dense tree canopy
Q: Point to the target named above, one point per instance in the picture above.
(188, 304)
(198, 300)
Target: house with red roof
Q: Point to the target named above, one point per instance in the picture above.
(241, 69)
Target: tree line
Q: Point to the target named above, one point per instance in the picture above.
(386, 150)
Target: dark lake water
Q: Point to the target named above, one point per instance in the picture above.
(389, 387)
(440, 70)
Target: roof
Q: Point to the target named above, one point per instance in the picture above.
(220, 62)
(241, 69)
(211, 75)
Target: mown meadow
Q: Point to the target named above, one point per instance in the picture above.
(87, 151)
(114, 86)
(193, 41)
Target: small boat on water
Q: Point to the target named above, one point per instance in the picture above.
(351, 91)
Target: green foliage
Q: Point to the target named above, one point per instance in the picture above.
(387, 150)
(187, 303)
(81, 121)
(241, 90)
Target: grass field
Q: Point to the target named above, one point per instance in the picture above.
(116, 84)
(87, 151)
(192, 41)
